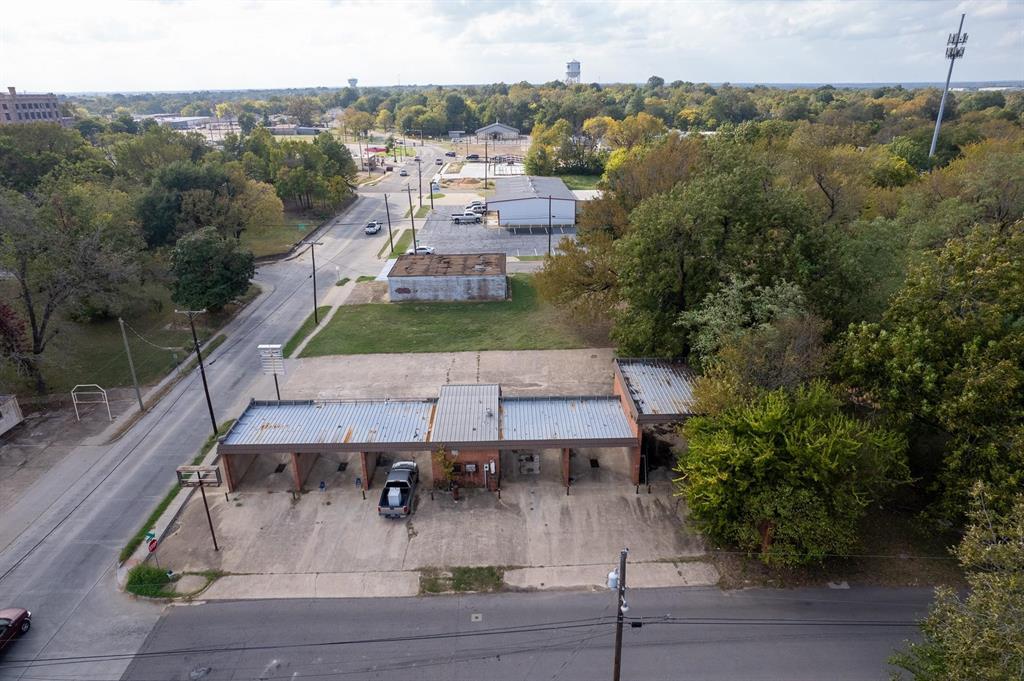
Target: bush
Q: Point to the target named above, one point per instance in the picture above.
(148, 580)
(786, 474)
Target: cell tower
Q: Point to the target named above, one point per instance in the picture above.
(572, 73)
(954, 50)
(352, 82)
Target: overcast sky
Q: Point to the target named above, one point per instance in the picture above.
(109, 45)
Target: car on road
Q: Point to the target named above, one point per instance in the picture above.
(416, 158)
(13, 622)
(403, 173)
(438, 162)
(398, 496)
(472, 157)
(467, 216)
(372, 227)
(421, 250)
(450, 154)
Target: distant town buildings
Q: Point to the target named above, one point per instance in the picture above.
(21, 108)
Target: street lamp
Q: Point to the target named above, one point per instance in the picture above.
(954, 50)
(202, 370)
(419, 173)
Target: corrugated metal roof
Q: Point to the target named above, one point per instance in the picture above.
(658, 387)
(530, 187)
(467, 413)
(308, 422)
(562, 418)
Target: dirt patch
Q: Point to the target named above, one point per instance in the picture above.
(368, 292)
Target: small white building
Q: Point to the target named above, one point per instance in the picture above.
(450, 277)
(497, 131)
(10, 413)
(524, 200)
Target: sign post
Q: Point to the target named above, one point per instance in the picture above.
(201, 477)
(272, 362)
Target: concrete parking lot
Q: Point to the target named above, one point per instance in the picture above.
(447, 237)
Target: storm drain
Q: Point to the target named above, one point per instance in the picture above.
(281, 466)
(342, 466)
(594, 463)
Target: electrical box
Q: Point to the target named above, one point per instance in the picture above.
(471, 468)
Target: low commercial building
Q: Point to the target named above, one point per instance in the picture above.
(181, 122)
(17, 108)
(497, 131)
(455, 277)
(527, 199)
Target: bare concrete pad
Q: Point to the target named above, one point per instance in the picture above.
(189, 584)
(639, 576)
(319, 585)
(530, 372)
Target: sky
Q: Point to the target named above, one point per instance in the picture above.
(117, 46)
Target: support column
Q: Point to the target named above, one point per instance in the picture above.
(368, 464)
(228, 472)
(565, 467)
(301, 465)
(634, 457)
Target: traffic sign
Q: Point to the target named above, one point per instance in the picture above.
(152, 545)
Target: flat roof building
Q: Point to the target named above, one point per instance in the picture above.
(29, 108)
(449, 277)
(523, 200)
(497, 131)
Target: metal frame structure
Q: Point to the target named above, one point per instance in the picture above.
(78, 391)
(272, 362)
(201, 477)
(954, 50)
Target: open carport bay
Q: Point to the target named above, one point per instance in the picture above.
(447, 237)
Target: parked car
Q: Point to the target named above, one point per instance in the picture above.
(467, 216)
(438, 162)
(450, 154)
(421, 250)
(472, 157)
(403, 173)
(373, 227)
(13, 622)
(476, 202)
(476, 208)
(398, 496)
(416, 158)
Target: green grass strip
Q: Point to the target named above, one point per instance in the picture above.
(403, 244)
(387, 244)
(304, 330)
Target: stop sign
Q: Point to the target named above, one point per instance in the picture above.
(152, 545)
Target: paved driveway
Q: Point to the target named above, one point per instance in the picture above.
(446, 237)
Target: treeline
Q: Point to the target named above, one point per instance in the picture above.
(87, 221)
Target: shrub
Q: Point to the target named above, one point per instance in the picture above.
(148, 580)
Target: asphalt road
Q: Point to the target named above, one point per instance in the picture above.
(812, 634)
(59, 542)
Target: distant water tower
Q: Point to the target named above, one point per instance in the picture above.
(572, 72)
(352, 82)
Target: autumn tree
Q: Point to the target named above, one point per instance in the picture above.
(209, 270)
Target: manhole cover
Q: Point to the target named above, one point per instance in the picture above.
(342, 466)
(198, 673)
(476, 617)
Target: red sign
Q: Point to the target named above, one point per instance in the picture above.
(152, 545)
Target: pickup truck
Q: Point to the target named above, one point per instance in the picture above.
(396, 499)
(468, 216)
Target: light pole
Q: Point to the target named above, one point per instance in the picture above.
(549, 224)
(617, 582)
(312, 253)
(954, 50)
(131, 365)
(202, 370)
(419, 173)
(387, 210)
(412, 217)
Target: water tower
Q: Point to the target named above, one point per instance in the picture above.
(352, 82)
(572, 73)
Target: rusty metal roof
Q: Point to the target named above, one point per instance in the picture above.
(331, 423)
(467, 413)
(658, 388)
(458, 264)
(564, 418)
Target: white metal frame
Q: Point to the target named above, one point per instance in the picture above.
(80, 390)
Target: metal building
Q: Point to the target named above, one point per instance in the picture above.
(454, 277)
(523, 200)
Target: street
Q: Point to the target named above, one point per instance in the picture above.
(695, 633)
(60, 540)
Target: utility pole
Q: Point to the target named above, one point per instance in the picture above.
(549, 224)
(131, 365)
(620, 586)
(954, 50)
(359, 146)
(419, 173)
(412, 217)
(202, 369)
(387, 209)
(485, 163)
(312, 252)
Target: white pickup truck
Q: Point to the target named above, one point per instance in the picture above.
(468, 216)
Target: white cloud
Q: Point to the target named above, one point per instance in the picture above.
(187, 44)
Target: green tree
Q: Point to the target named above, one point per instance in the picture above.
(947, 353)
(787, 475)
(209, 270)
(978, 637)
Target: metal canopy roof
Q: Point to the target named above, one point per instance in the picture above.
(530, 187)
(467, 413)
(561, 419)
(660, 391)
(317, 426)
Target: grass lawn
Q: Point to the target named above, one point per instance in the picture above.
(581, 181)
(522, 323)
(304, 330)
(365, 277)
(405, 234)
(402, 244)
(530, 257)
(93, 352)
(436, 196)
(274, 239)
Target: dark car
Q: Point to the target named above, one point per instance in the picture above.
(13, 622)
(450, 154)
(472, 157)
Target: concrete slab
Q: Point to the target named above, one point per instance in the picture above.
(189, 584)
(319, 585)
(639, 576)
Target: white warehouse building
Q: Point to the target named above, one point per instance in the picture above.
(524, 200)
